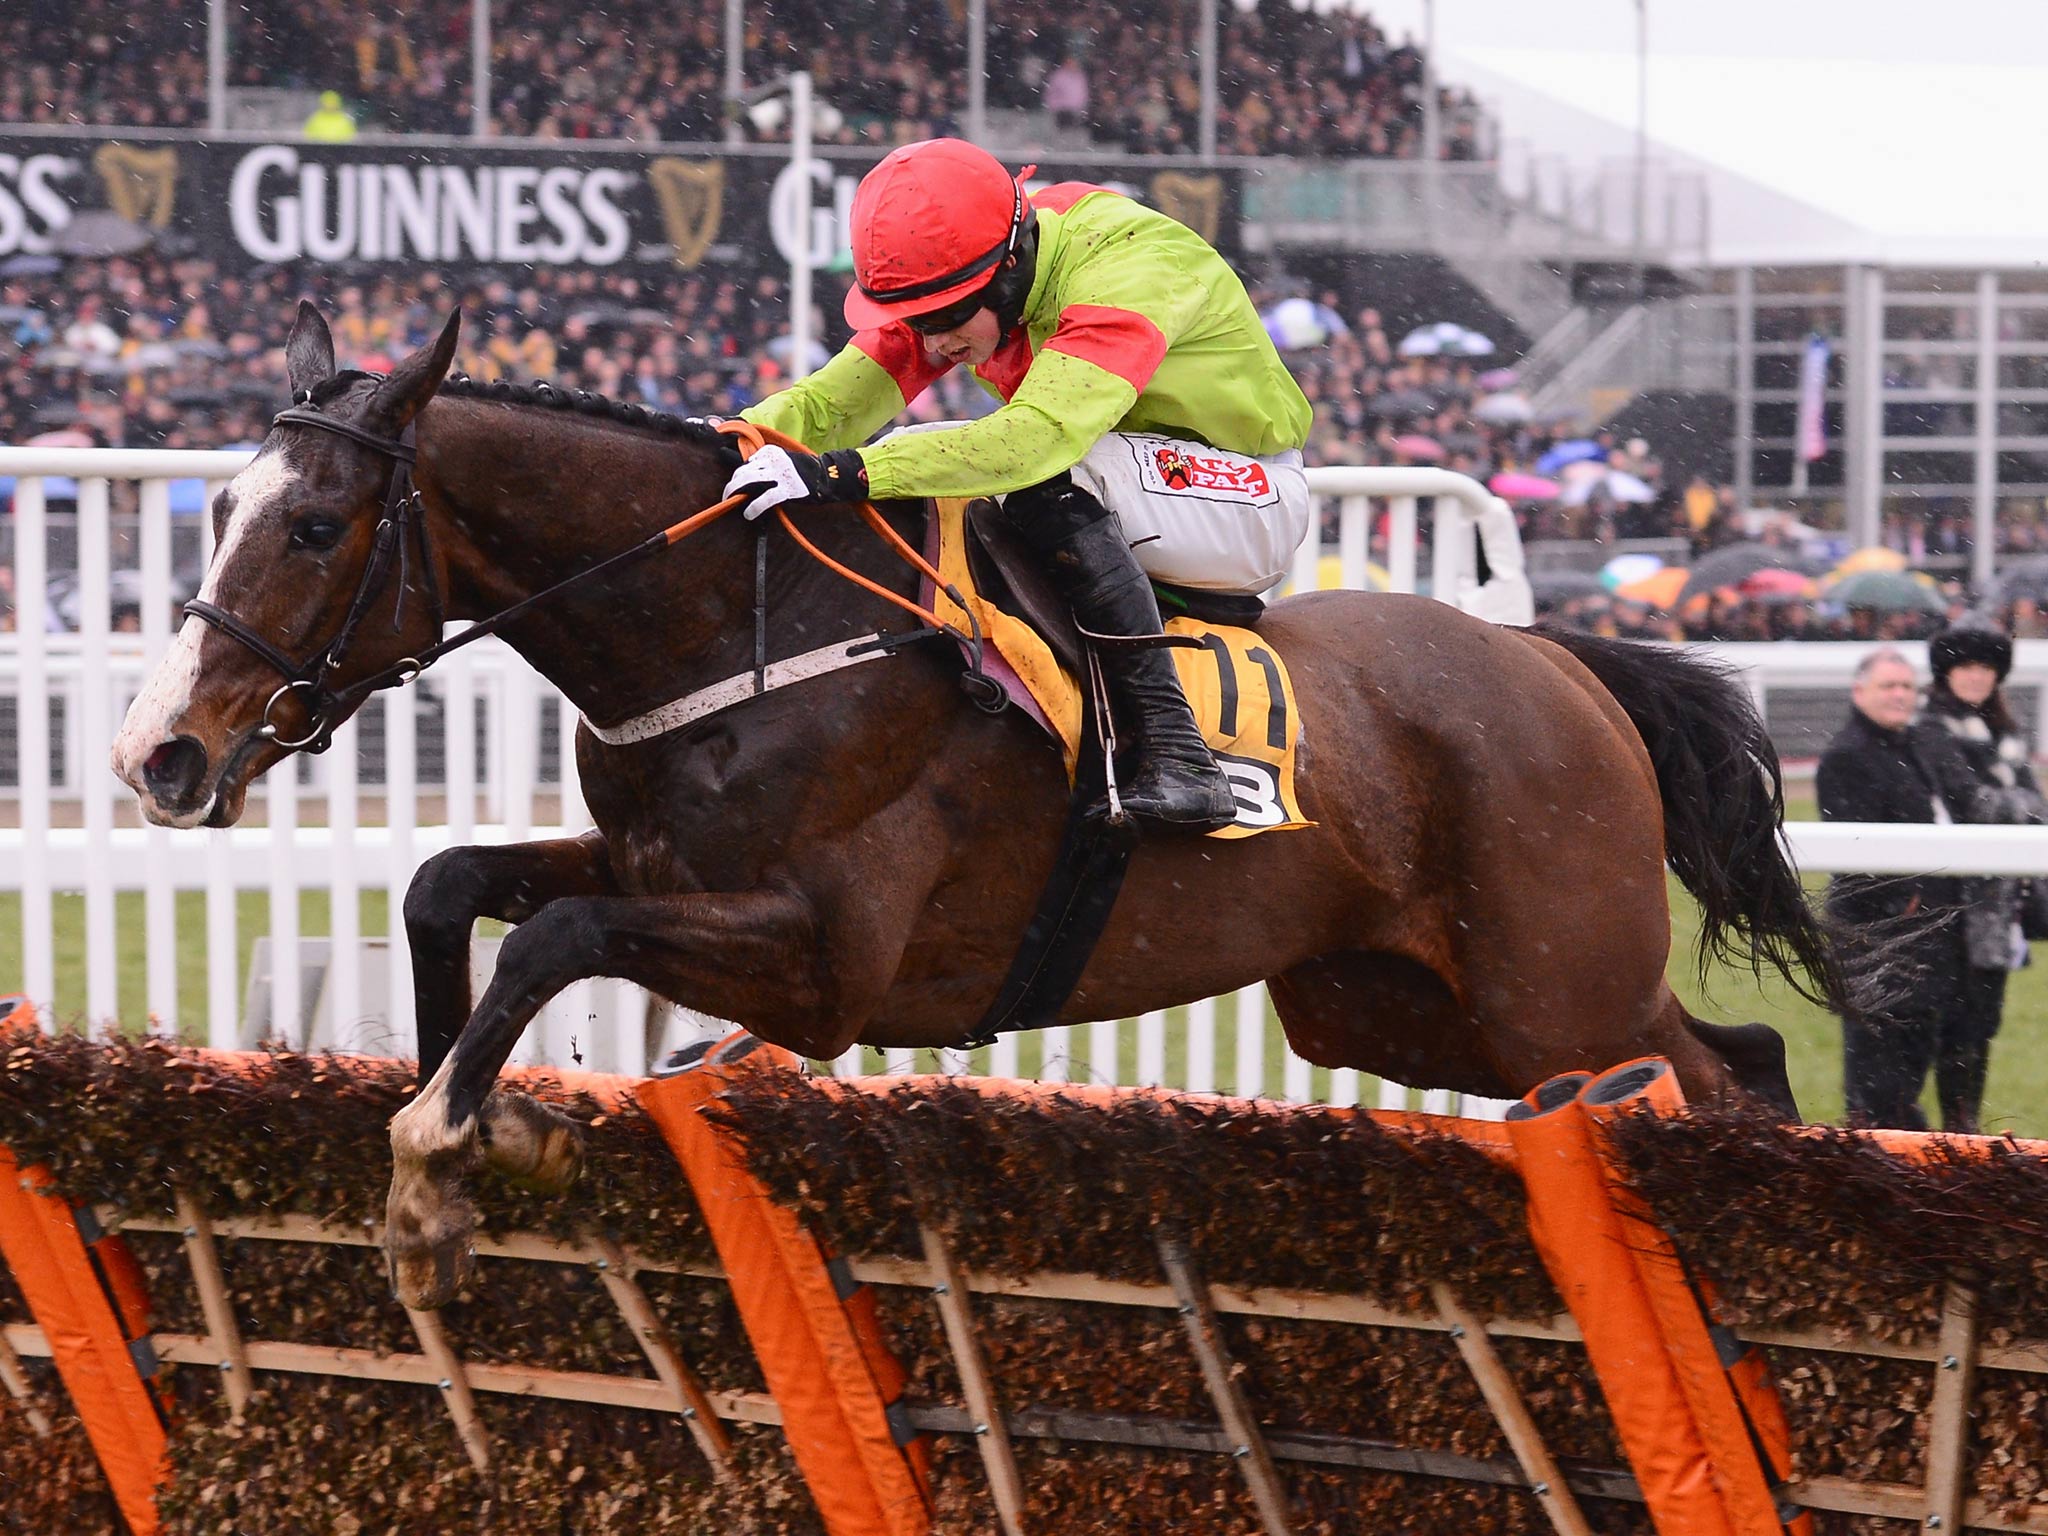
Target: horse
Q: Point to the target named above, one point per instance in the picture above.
(1479, 904)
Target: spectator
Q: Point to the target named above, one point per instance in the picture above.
(1066, 93)
(1907, 949)
(330, 122)
(1970, 660)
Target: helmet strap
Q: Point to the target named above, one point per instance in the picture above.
(1010, 289)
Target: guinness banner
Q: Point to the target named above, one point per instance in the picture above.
(440, 202)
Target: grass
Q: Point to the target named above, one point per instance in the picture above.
(2016, 1099)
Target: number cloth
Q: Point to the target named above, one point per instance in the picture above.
(1134, 324)
(1236, 684)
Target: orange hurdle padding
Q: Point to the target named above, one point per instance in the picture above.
(44, 1248)
(1586, 1249)
(815, 1332)
(1735, 1405)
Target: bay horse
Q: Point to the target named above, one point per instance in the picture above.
(1479, 904)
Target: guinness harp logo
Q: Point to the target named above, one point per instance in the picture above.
(692, 197)
(1197, 201)
(142, 184)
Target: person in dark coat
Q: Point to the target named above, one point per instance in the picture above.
(1902, 935)
(1970, 661)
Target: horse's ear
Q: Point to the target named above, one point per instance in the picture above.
(413, 382)
(309, 354)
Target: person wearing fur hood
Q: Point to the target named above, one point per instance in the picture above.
(1970, 660)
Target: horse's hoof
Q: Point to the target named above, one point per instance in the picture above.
(529, 1142)
(426, 1277)
(429, 1244)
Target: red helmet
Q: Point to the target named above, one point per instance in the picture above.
(931, 224)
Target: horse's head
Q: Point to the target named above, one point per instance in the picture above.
(321, 577)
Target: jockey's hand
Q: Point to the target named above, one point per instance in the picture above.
(777, 477)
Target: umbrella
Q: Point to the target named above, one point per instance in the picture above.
(1777, 581)
(1446, 338)
(1733, 564)
(27, 265)
(1517, 485)
(1298, 323)
(1619, 485)
(1562, 586)
(1416, 446)
(102, 232)
(1889, 591)
(1659, 589)
(1506, 410)
(1624, 569)
(1498, 378)
(1403, 402)
(1872, 557)
(1570, 452)
(2026, 576)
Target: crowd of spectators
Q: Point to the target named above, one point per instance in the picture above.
(1290, 82)
(157, 351)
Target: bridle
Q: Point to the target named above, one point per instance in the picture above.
(403, 530)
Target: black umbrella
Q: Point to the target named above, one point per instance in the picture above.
(1732, 564)
(2022, 576)
(102, 232)
(1562, 586)
(1403, 402)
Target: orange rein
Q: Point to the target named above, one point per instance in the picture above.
(752, 440)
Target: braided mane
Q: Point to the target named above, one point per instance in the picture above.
(541, 393)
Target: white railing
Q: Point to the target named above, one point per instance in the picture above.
(335, 841)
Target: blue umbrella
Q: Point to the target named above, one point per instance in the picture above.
(1569, 453)
(188, 496)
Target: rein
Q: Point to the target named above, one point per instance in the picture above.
(403, 526)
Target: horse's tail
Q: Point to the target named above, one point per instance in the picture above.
(1724, 800)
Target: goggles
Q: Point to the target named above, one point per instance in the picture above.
(939, 321)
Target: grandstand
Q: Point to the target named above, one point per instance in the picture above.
(1324, 190)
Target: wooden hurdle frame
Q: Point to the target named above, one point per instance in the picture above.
(1948, 1425)
(1941, 1504)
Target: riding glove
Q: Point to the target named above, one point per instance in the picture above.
(777, 477)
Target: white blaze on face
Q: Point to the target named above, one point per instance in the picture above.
(268, 482)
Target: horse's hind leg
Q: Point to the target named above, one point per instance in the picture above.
(523, 1139)
(1723, 1062)
(1755, 1053)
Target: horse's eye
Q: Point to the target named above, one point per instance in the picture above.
(315, 533)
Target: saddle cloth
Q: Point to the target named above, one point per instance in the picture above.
(1235, 682)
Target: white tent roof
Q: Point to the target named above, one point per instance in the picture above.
(1895, 131)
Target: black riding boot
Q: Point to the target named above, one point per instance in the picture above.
(1174, 779)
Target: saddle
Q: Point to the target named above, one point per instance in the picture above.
(1007, 575)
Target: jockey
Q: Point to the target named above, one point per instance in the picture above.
(1148, 426)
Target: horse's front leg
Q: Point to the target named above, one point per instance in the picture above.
(754, 955)
(521, 1137)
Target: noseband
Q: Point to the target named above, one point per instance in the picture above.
(401, 531)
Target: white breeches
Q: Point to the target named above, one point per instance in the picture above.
(1199, 516)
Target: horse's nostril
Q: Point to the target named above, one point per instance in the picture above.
(174, 770)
